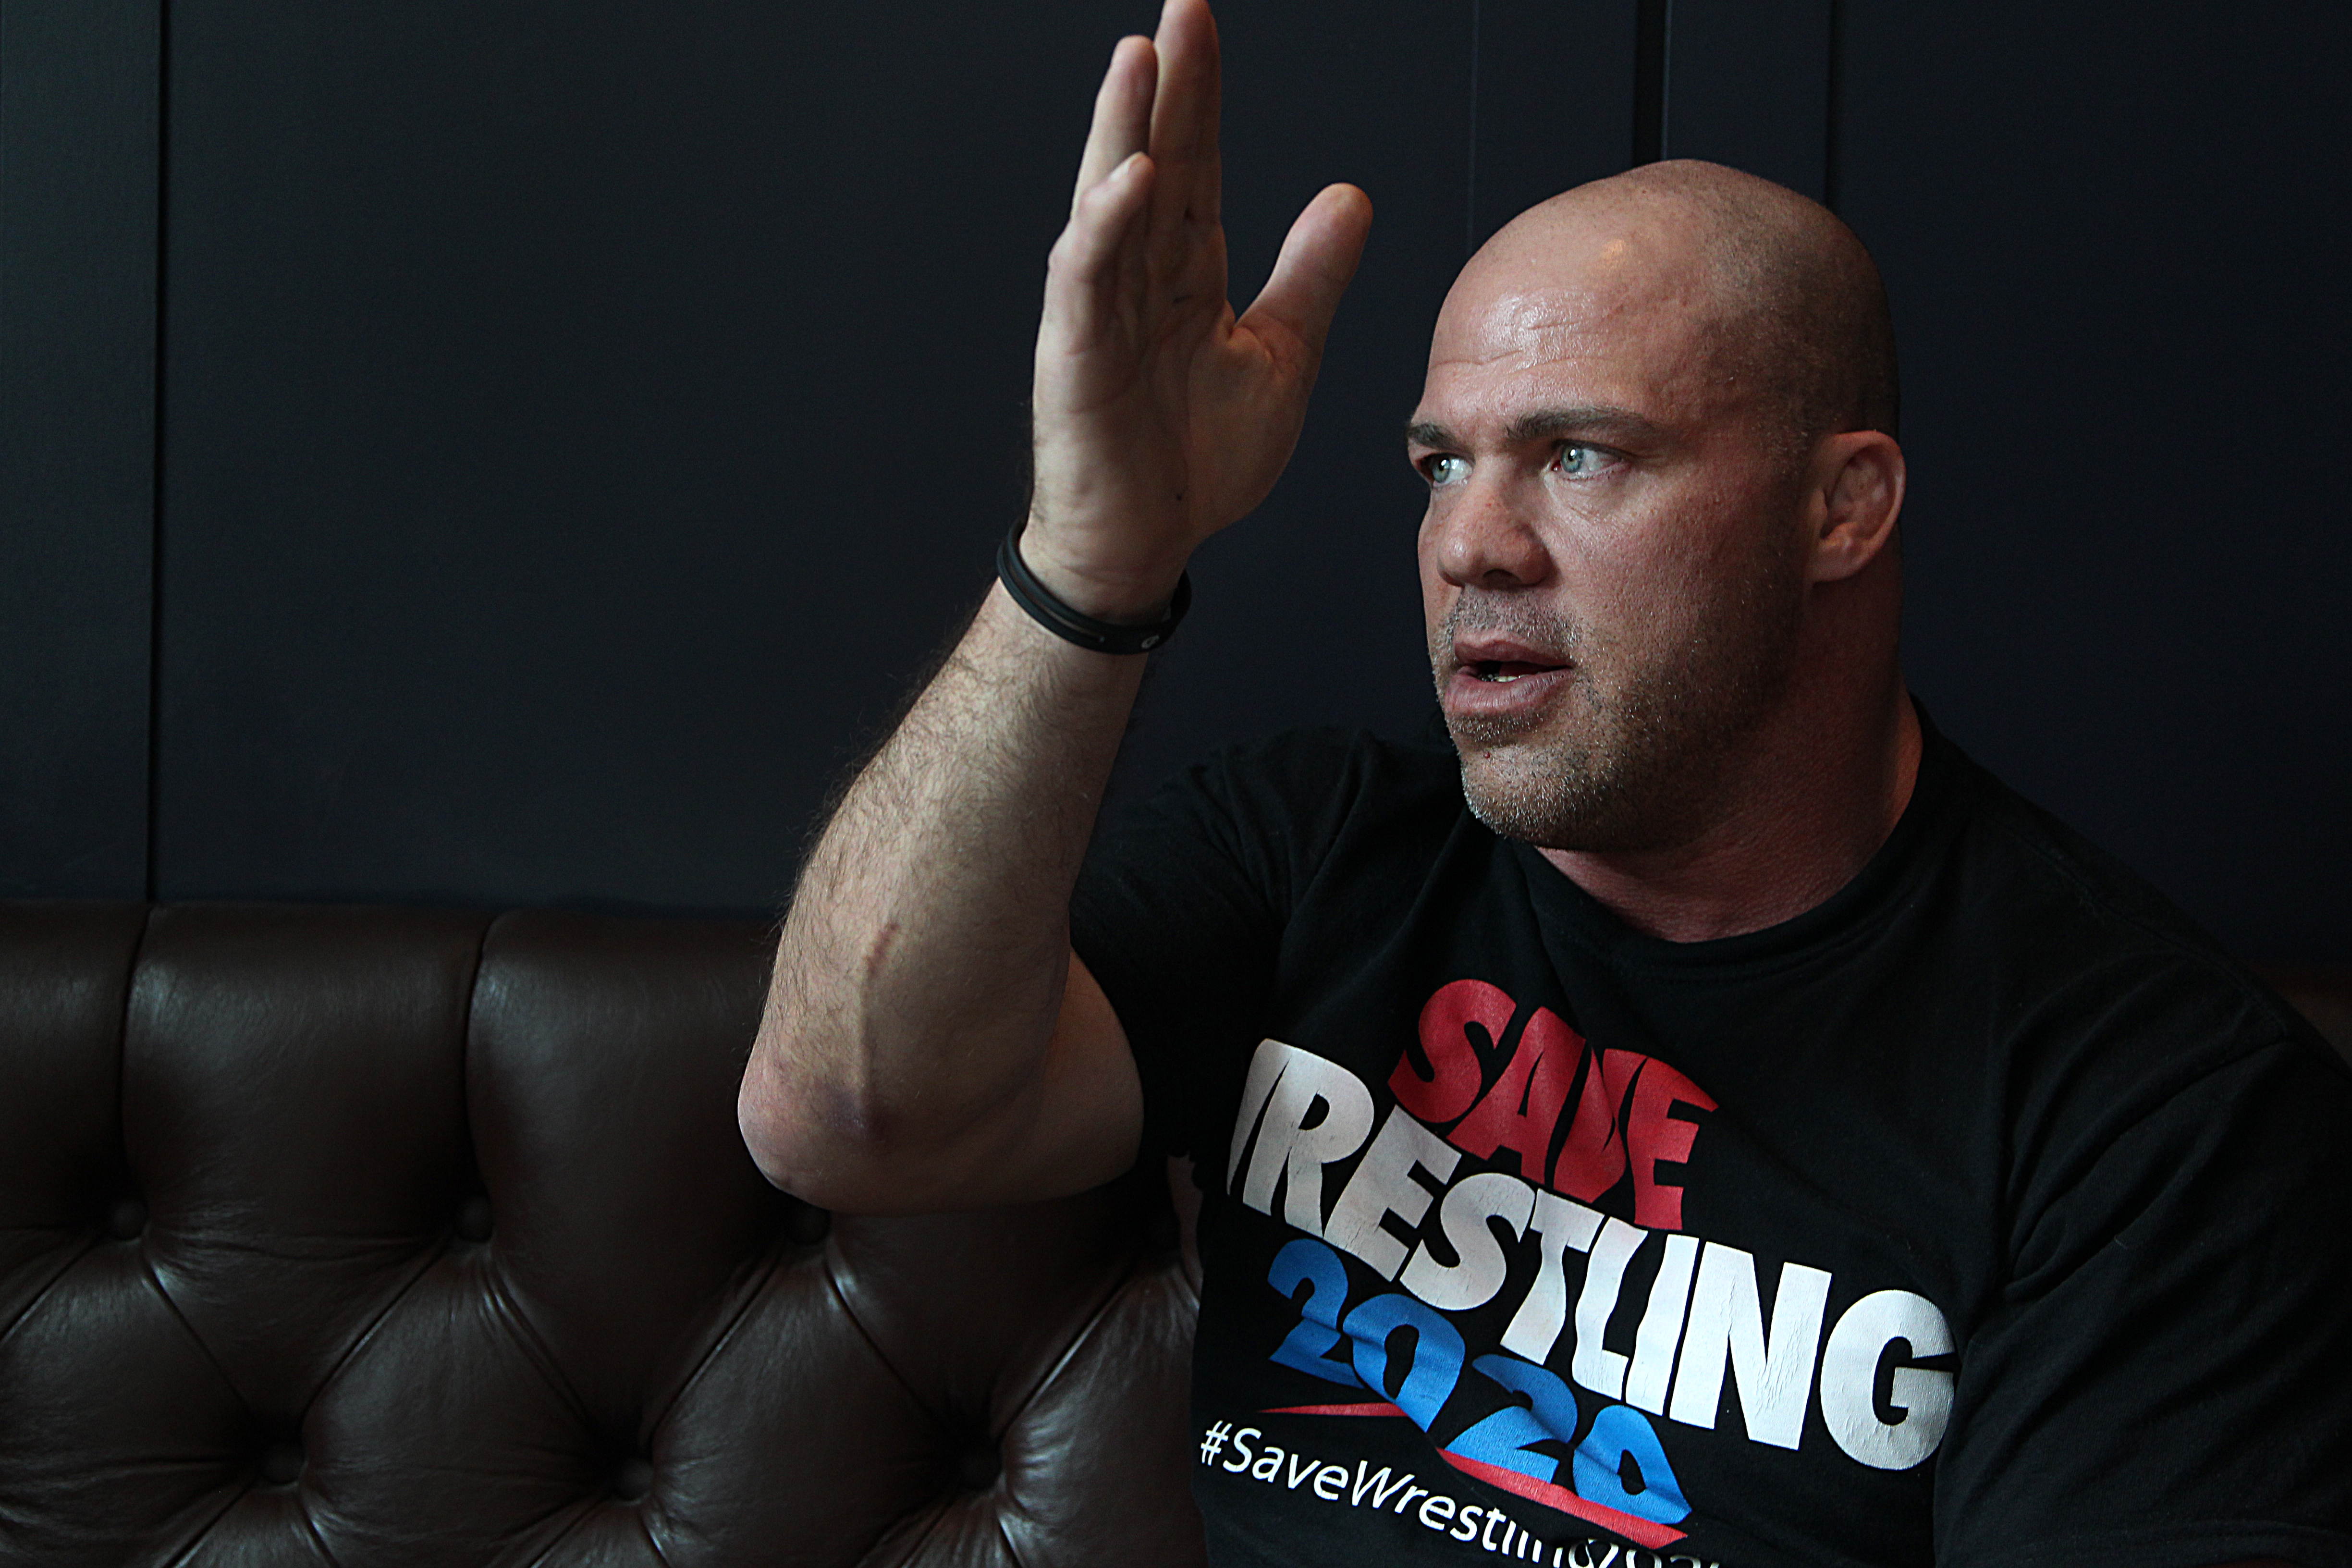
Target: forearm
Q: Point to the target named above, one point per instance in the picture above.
(929, 1039)
(922, 967)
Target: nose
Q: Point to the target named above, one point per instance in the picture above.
(1481, 536)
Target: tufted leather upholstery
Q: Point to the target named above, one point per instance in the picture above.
(363, 1236)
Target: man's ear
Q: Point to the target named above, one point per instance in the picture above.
(1858, 476)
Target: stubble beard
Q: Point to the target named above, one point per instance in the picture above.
(1633, 755)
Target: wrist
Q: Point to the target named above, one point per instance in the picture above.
(1076, 625)
(1126, 593)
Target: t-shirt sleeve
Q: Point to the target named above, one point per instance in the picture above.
(1180, 913)
(2167, 1378)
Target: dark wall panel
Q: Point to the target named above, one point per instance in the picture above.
(582, 420)
(586, 416)
(1553, 101)
(1747, 82)
(78, 86)
(2116, 249)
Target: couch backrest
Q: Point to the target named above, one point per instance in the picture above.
(362, 1236)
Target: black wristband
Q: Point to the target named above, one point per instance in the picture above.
(1074, 625)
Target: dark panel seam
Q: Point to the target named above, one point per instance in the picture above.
(1653, 50)
(1470, 176)
(1835, 77)
(156, 469)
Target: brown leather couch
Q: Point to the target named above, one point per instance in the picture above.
(360, 1236)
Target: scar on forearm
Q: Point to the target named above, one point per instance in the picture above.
(877, 952)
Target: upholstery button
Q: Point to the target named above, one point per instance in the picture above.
(806, 1223)
(281, 1464)
(474, 1218)
(126, 1218)
(632, 1481)
(976, 1468)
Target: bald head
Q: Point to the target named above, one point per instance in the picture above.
(1656, 569)
(1782, 300)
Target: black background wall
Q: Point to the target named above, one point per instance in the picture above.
(518, 452)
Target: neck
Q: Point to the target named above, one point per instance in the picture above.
(1808, 802)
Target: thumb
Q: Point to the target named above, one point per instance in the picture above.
(1319, 259)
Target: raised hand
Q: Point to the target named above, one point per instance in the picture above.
(1160, 416)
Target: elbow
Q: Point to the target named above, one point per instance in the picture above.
(765, 1136)
(816, 1139)
(772, 1113)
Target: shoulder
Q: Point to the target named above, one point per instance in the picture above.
(2120, 1024)
(2097, 927)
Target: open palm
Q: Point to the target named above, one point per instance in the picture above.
(1160, 416)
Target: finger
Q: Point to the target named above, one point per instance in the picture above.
(1083, 271)
(1318, 258)
(1122, 121)
(1184, 114)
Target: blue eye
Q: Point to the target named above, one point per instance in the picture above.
(1578, 461)
(1444, 468)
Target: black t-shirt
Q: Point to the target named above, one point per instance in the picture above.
(1985, 1215)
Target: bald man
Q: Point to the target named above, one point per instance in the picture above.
(1695, 1117)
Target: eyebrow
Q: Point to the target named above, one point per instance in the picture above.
(1548, 425)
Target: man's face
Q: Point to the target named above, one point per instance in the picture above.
(1612, 563)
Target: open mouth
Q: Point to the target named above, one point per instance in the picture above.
(1501, 670)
